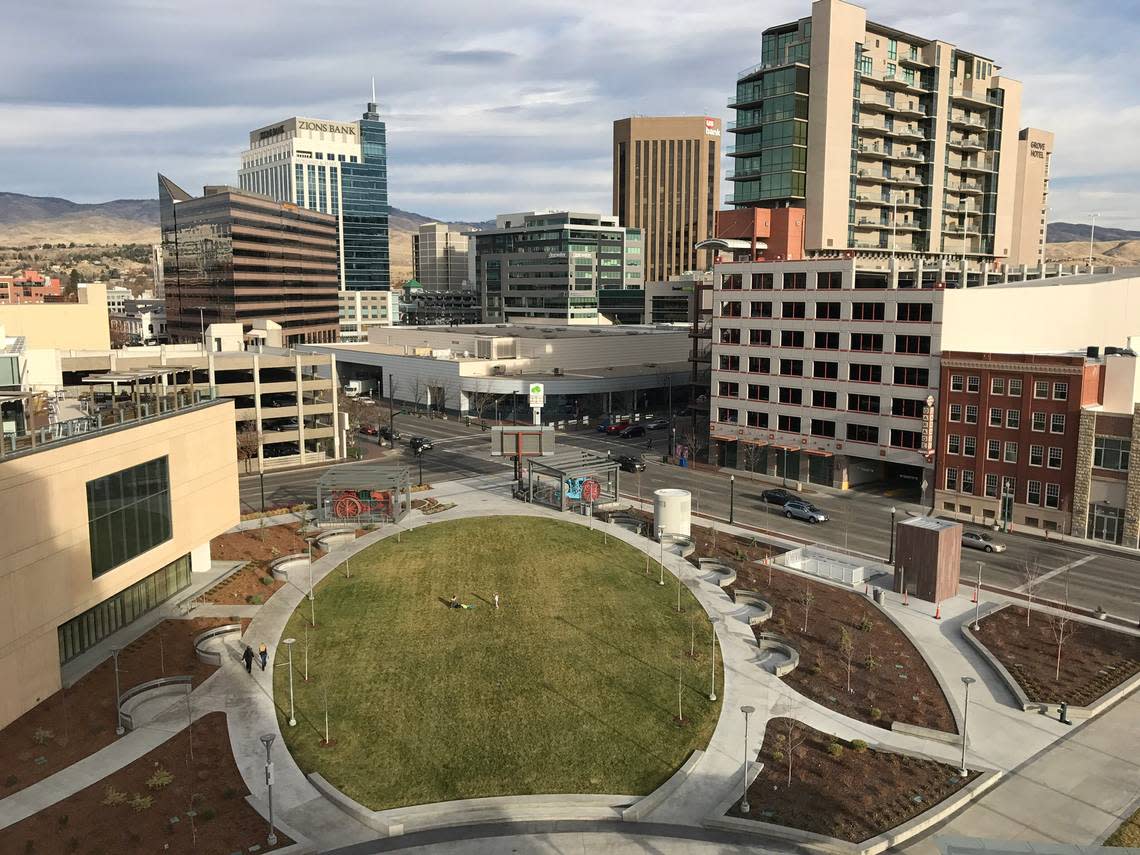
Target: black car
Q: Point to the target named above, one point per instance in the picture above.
(389, 435)
(632, 431)
(420, 444)
(630, 463)
(779, 497)
(657, 424)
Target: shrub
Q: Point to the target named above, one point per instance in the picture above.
(62, 820)
(141, 802)
(29, 847)
(10, 781)
(111, 796)
(778, 756)
(266, 580)
(159, 780)
(816, 668)
(866, 624)
(255, 599)
(871, 662)
(876, 713)
(42, 735)
(858, 746)
(835, 750)
(229, 792)
(206, 814)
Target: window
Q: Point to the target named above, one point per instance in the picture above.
(762, 281)
(867, 312)
(997, 385)
(968, 481)
(953, 444)
(728, 390)
(1033, 493)
(791, 395)
(820, 427)
(762, 338)
(916, 312)
(788, 423)
(956, 382)
(951, 478)
(1056, 455)
(1038, 422)
(969, 446)
(827, 341)
(867, 342)
(1111, 453)
(759, 364)
(973, 384)
(757, 420)
(128, 513)
(1013, 419)
(730, 336)
(992, 486)
(1041, 389)
(830, 281)
(1052, 495)
(792, 367)
(955, 412)
(865, 373)
(906, 438)
(1060, 391)
(911, 376)
(1015, 387)
(724, 414)
(826, 370)
(760, 309)
(907, 408)
(827, 311)
(1057, 423)
(862, 433)
(993, 449)
(825, 400)
(971, 414)
(731, 282)
(793, 310)
(995, 416)
(795, 281)
(912, 344)
(863, 403)
(1036, 455)
(792, 338)
(757, 392)
(729, 363)
(1010, 452)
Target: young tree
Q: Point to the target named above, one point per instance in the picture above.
(416, 384)
(847, 651)
(806, 598)
(1063, 626)
(247, 443)
(791, 733)
(1031, 581)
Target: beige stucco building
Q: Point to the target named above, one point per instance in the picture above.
(440, 260)
(69, 577)
(666, 181)
(1031, 197)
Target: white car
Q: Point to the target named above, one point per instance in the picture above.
(981, 540)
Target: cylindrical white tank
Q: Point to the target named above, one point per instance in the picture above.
(672, 511)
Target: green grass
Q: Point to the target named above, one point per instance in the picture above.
(571, 687)
(1128, 835)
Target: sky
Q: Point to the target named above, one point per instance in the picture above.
(496, 106)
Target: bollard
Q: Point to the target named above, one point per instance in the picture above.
(1064, 717)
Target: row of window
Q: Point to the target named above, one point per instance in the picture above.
(1036, 493)
(1011, 419)
(823, 399)
(828, 311)
(856, 372)
(898, 438)
(798, 281)
(917, 345)
(967, 446)
(1009, 386)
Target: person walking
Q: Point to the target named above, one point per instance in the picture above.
(263, 655)
(496, 601)
(247, 657)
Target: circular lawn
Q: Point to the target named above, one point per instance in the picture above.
(570, 686)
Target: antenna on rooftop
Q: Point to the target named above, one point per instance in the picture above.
(373, 90)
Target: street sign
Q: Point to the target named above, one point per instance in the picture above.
(537, 395)
(591, 490)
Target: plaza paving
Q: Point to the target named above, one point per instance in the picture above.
(1073, 792)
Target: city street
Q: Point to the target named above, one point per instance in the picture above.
(859, 521)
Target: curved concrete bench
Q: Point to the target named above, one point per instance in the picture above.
(330, 540)
(725, 571)
(280, 567)
(211, 657)
(629, 522)
(685, 544)
(753, 599)
(152, 688)
(766, 641)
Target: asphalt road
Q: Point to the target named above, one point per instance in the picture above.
(860, 522)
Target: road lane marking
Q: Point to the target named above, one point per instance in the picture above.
(1044, 577)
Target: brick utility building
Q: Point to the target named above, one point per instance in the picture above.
(233, 256)
(1041, 440)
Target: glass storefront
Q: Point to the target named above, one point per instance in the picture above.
(1106, 523)
(88, 629)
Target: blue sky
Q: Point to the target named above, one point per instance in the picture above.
(493, 107)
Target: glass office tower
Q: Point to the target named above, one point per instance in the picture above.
(364, 199)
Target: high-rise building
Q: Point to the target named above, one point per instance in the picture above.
(233, 256)
(1034, 153)
(337, 168)
(439, 257)
(552, 265)
(893, 142)
(666, 181)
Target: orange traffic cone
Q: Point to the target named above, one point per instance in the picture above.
(938, 611)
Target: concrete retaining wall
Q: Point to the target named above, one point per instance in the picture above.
(336, 538)
(180, 685)
(211, 657)
(763, 607)
(280, 567)
(642, 807)
(767, 641)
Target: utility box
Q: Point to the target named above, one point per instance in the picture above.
(928, 558)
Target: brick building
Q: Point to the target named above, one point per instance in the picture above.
(29, 286)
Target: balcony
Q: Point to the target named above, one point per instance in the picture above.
(909, 155)
(962, 208)
(744, 127)
(973, 94)
(979, 164)
(960, 229)
(741, 174)
(907, 132)
(869, 176)
(906, 180)
(966, 143)
(872, 152)
(742, 148)
(906, 108)
(968, 121)
(964, 188)
(864, 223)
(895, 81)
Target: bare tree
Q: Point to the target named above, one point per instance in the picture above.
(247, 443)
(416, 384)
(1031, 581)
(806, 598)
(1063, 626)
(482, 399)
(847, 651)
(791, 734)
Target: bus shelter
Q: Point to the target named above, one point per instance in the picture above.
(572, 480)
(362, 493)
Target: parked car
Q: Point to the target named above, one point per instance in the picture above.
(778, 496)
(657, 424)
(981, 540)
(801, 510)
(369, 430)
(389, 435)
(630, 463)
(616, 427)
(420, 444)
(633, 431)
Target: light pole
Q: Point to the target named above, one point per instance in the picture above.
(891, 558)
(267, 741)
(289, 642)
(965, 717)
(201, 324)
(1092, 231)
(731, 498)
(747, 710)
(712, 673)
(119, 731)
(978, 597)
(784, 468)
(661, 560)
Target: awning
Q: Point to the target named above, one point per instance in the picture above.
(722, 438)
(818, 452)
(757, 442)
(786, 447)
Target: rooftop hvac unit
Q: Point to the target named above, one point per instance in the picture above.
(498, 370)
(557, 372)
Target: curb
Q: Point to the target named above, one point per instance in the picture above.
(300, 846)
(638, 810)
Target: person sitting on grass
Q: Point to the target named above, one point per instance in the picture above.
(455, 604)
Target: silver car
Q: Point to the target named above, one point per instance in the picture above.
(981, 540)
(801, 510)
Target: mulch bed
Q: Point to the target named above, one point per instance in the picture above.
(76, 722)
(251, 585)
(201, 809)
(853, 795)
(260, 546)
(1094, 659)
(898, 686)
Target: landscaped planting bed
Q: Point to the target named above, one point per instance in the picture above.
(76, 722)
(251, 585)
(165, 801)
(261, 545)
(840, 789)
(1094, 659)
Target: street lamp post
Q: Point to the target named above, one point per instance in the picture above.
(965, 717)
(661, 560)
(1092, 231)
(202, 321)
(712, 673)
(289, 642)
(747, 710)
(731, 498)
(119, 731)
(891, 558)
(267, 741)
(978, 597)
(784, 469)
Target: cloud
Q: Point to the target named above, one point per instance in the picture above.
(472, 57)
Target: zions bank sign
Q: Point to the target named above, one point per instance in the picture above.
(327, 127)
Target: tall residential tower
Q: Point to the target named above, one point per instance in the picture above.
(439, 257)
